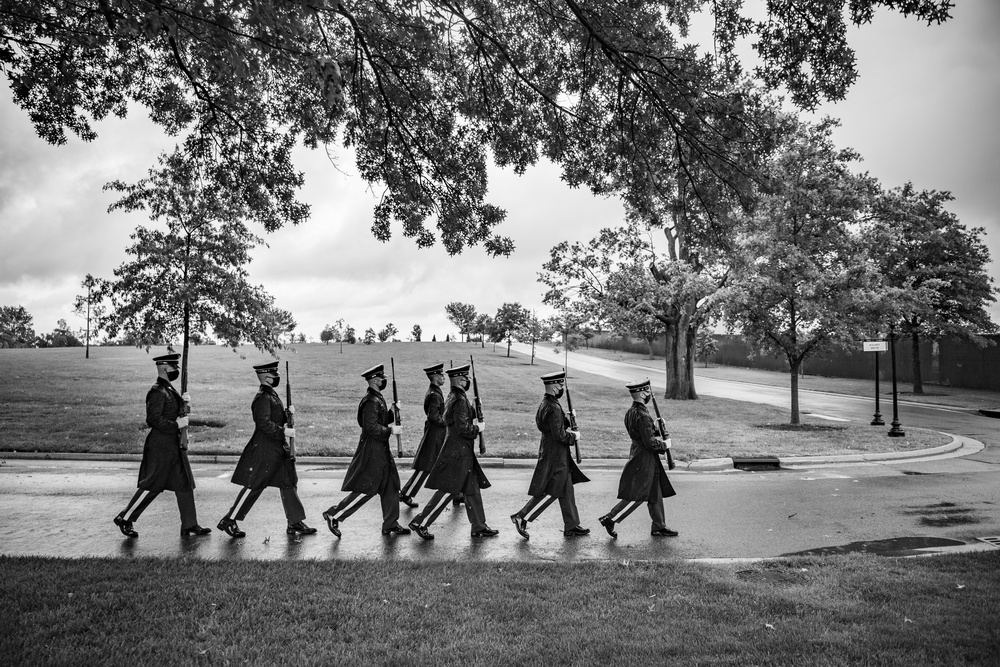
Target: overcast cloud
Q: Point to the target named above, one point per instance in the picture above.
(923, 110)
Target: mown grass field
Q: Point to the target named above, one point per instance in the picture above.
(852, 610)
(55, 400)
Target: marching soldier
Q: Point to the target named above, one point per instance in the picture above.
(434, 432)
(266, 460)
(372, 470)
(556, 472)
(164, 464)
(643, 479)
(456, 470)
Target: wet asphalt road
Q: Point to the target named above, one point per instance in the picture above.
(64, 508)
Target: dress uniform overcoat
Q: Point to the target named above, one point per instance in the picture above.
(372, 469)
(434, 430)
(457, 459)
(644, 468)
(555, 461)
(164, 465)
(264, 461)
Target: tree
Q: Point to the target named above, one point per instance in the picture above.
(15, 327)
(923, 249)
(326, 335)
(189, 276)
(369, 336)
(415, 333)
(705, 345)
(482, 327)
(531, 330)
(462, 315)
(422, 92)
(387, 332)
(509, 319)
(804, 280)
(88, 307)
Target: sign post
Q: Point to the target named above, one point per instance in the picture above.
(876, 346)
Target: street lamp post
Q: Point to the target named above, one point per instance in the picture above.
(894, 431)
(877, 417)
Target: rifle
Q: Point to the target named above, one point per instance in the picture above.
(289, 416)
(661, 427)
(395, 409)
(572, 417)
(479, 404)
(182, 436)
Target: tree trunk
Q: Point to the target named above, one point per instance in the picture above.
(508, 348)
(795, 366)
(679, 362)
(649, 344)
(918, 380)
(689, 358)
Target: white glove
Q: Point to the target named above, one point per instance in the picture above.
(289, 432)
(182, 422)
(395, 429)
(398, 405)
(666, 443)
(573, 412)
(291, 409)
(481, 425)
(575, 434)
(186, 397)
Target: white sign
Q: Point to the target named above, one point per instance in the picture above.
(876, 346)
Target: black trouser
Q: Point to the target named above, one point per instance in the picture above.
(654, 501)
(354, 500)
(473, 505)
(567, 503)
(143, 497)
(294, 512)
(415, 483)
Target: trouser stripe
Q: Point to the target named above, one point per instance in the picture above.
(535, 512)
(415, 483)
(135, 504)
(350, 504)
(434, 509)
(240, 499)
(626, 510)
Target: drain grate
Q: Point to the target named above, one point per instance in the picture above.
(994, 541)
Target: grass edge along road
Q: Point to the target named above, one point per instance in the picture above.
(841, 610)
(58, 402)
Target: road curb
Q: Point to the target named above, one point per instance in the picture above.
(337, 462)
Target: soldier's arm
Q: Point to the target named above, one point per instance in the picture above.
(646, 430)
(461, 417)
(261, 409)
(555, 424)
(435, 409)
(155, 402)
(371, 425)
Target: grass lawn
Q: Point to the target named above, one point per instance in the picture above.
(844, 610)
(55, 400)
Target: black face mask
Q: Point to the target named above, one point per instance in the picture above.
(275, 381)
(173, 375)
(559, 392)
(646, 397)
(382, 383)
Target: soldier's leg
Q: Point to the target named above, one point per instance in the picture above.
(414, 484)
(624, 507)
(535, 506)
(474, 504)
(245, 500)
(390, 507)
(140, 501)
(349, 505)
(655, 504)
(185, 503)
(433, 509)
(567, 504)
(294, 511)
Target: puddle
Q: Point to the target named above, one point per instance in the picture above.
(896, 546)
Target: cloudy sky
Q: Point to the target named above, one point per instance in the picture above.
(923, 110)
